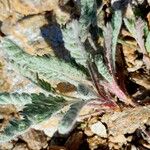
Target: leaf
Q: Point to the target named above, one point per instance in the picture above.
(72, 42)
(116, 26)
(86, 92)
(18, 100)
(109, 74)
(50, 69)
(65, 87)
(68, 121)
(110, 33)
(136, 28)
(14, 129)
(130, 24)
(102, 68)
(41, 108)
(139, 27)
(107, 33)
(110, 82)
(44, 85)
(147, 44)
(87, 17)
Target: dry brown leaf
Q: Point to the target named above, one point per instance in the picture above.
(74, 141)
(129, 50)
(65, 87)
(141, 79)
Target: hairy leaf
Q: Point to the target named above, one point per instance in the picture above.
(69, 120)
(116, 26)
(110, 82)
(136, 28)
(109, 74)
(40, 109)
(18, 100)
(147, 44)
(86, 92)
(88, 17)
(44, 85)
(51, 69)
(107, 33)
(43, 107)
(14, 129)
(102, 68)
(71, 37)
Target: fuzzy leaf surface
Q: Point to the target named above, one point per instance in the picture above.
(41, 108)
(18, 100)
(88, 17)
(116, 26)
(136, 28)
(14, 129)
(51, 69)
(147, 44)
(102, 68)
(69, 119)
(71, 37)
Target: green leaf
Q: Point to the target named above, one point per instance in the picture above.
(88, 17)
(116, 26)
(86, 92)
(72, 42)
(147, 44)
(69, 119)
(18, 100)
(49, 69)
(41, 108)
(130, 24)
(136, 28)
(14, 129)
(45, 85)
(102, 68)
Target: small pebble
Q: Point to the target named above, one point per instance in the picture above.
(99, 129)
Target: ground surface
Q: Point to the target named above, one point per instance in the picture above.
(125, 129)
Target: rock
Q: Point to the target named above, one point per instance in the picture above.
(88, 131)
(99, 129)
(27, 34)
(127, 121)
(133, 147)
(96, 141)
(117, 142)
(6, 146)
(35, 139)
(29, 7)
(20, 146)
(148, 2)
(120, 139)
(17, 9)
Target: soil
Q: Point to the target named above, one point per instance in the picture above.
(125, 129)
